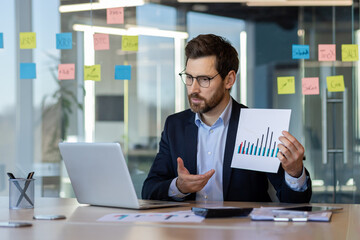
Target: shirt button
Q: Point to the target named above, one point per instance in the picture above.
(209, 153)
(211, 131)
(205, 196)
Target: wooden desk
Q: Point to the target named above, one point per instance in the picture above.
(81, 224)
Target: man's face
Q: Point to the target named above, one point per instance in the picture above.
(203, 100)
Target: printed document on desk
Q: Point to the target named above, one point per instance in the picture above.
(257, 139)
(177, 216)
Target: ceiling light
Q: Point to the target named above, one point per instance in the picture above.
(146, 31)
(102, 4)
(298, 3)
(269, 3)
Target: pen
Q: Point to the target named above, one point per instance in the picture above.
(23, 192)
(11, 176)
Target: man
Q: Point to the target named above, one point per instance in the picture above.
(197, 145)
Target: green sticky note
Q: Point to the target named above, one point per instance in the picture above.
(335, 83)
(286, 85)
(27, 40)
(130, 43)
(349, 52)
(92, 72)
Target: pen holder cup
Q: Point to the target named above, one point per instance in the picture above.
(21, 193)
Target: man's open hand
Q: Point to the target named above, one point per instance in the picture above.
(189, 183)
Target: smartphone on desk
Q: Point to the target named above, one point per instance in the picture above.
(49, 217)
(221, 212)
(308, 209)
(15, 224)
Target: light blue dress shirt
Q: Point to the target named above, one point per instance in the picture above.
(210, 155)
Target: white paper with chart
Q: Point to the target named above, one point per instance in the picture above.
(257, 139)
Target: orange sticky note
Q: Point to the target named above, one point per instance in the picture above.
(66, 71)
(349, 52)
(310, 86)
(286, 85)
(101, 41)
(327, 52)
(115, 15)
(130, 43)
(27, 40)
(335, 83)
(92, 72)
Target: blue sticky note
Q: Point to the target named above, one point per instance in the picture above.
(1, 40)
(64, 40)
(300, 51)
(27, 70)
(122, 72)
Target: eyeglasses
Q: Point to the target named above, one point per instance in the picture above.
(203, 81)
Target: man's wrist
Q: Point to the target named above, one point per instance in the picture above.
(174, 191)
(297, 184)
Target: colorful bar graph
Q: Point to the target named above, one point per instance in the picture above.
(266, 148)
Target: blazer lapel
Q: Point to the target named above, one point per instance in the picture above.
(191, 138)
(230, 144)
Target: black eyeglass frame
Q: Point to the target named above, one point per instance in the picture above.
(206, 79)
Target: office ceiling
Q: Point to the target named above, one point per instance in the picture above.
(286, 17)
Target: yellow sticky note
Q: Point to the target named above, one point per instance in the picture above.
(286, 85)
(92, 72)
(335, 83)
(349, 52)
(27, 40)
(130, 43)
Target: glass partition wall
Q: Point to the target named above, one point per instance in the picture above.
(36, 114)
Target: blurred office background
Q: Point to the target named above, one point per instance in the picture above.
(35, 114)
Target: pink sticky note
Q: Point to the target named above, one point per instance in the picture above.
(101, 41)
(310, 86)
(327, 52)
(115, 15)
(66, 71)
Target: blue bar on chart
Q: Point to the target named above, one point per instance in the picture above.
(267, 148)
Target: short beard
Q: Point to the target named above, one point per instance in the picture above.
(209, 105)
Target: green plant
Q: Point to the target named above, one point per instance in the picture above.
(57, 109)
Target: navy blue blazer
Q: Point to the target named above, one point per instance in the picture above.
(179, 139)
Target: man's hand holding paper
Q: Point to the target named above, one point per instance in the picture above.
(291, 154)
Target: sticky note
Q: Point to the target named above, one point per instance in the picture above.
(64, 40)
(335, 83)
(27, 70)
(101, 41)
(27, 40)
(310, 86)
(286, 85)
(349, 52)
(66, 71)
(327, 52)
(92, 72)
(115, 15)
(1, 40)
(129, 43)
(300, 51)
(122, 72)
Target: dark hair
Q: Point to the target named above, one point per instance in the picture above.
(211, 45)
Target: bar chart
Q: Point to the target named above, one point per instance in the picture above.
(265, 146)
(257, 139)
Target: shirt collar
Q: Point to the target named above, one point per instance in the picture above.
(224, 116)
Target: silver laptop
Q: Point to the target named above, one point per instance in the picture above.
(99, 176)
